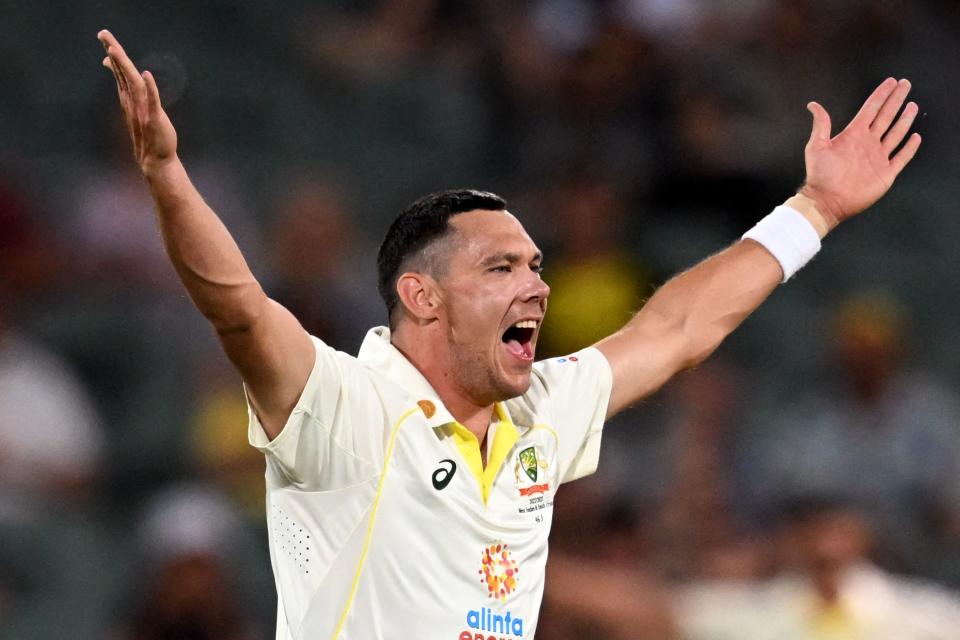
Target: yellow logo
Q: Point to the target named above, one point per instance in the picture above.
(427, 407)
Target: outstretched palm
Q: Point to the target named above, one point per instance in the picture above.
(848, 173)
(153, 136)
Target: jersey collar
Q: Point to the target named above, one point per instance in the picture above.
(378, 353)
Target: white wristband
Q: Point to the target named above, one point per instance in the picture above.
(789, 237)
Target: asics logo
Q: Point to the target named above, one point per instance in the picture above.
(442, 476)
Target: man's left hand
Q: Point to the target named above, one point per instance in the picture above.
(849, 172)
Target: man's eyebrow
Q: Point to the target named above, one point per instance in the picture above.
(509, 257)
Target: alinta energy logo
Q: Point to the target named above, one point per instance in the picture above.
(484, 623)
(498, 570)
(498, 573)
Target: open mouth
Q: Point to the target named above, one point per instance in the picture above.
(518, 339)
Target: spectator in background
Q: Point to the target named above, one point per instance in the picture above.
(827, 589)
(702, 524)
(189, 541)
(409, 78)
(705, 174)
(600, 580)
(574, 84)
(52, 453)
(219, 456)
(595, 284)
(120, 308)
(681, 469)
(318, 257)
(875, 431)
(587, 598)
(51, 438)
(112, 227)
(613, 565)
(28, 260)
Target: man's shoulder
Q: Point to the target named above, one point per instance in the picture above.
(378, 376)
(351, 367)
(561, 376)
(586, 363)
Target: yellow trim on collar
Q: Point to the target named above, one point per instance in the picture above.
(504, 437)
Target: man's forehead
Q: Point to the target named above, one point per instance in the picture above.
(481, 229)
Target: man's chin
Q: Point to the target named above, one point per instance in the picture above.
(516, 385)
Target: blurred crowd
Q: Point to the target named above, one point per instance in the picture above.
(804, 484)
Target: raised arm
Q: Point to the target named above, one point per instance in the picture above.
(688, 318)
(264, 341)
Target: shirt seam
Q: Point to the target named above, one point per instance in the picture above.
(373, 518)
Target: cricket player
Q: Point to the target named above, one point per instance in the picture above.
(410, 488)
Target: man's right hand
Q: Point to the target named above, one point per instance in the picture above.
(153, 136)
(268, 346)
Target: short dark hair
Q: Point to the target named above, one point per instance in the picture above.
(419, 225)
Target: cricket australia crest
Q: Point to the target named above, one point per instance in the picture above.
(527, 460)
(527, 470)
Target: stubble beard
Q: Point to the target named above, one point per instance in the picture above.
(475, 374)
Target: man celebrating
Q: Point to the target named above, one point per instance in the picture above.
(410, 489)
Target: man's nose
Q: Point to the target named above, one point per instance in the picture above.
(537, 290)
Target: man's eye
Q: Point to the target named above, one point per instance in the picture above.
(536, 268)
(504, 268)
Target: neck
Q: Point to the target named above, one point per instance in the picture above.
(436, 366)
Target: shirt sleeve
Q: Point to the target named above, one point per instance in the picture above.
(576, 390)
(332, 439)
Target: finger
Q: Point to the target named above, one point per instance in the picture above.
(128, 71)
(896, 133)
(868, 112)
(111, 46)
(121, 81)
(905, 155)
(153, 94)
(114, 66)
(108, 63)
(820, 131)
(106, 38)
(115, 56)
(890, 108)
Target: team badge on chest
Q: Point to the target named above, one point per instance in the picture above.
(530, 470)
(527, 460)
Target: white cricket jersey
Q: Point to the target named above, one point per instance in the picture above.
(383, 521)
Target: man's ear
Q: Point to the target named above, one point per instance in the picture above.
(419, 295)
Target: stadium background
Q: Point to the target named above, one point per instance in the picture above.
(632, 137)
